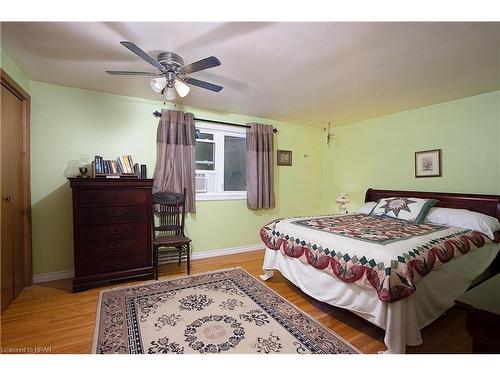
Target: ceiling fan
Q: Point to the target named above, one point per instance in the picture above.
(172, 74)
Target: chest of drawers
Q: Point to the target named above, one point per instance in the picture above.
(111, 230)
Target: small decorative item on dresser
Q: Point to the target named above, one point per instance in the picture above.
(428, 163)
(284, 158)
(83, 165)
(343, 200)
(83, 172)
(144, 173)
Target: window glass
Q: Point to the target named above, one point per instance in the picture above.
(204, 155)
(235, 164)
(205, 167)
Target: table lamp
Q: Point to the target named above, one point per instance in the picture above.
(343, 199)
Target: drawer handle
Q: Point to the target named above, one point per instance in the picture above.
(114, 230)
(114, 213)
(114, 247)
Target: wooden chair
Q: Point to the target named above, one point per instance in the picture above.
(168, 235)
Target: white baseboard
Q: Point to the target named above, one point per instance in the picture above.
(52, 276)
(227, 251)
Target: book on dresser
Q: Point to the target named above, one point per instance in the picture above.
(112, 221)
(123, 166)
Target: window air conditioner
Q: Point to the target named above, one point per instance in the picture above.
(200, 181)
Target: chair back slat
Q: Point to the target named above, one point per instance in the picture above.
(167, 228)
(168, 208)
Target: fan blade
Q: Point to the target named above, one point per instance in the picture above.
(206, 63)
(127, 73)
(203, 84)
(143, 55)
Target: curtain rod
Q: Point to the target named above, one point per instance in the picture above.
(158, 114)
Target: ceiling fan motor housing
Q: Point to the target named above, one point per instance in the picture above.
(170, 60)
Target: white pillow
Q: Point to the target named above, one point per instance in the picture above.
(366, 208)
(454, 217)
(409, 209)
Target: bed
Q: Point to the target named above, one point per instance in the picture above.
(398, 276)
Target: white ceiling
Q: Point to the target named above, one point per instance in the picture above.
(306, 73)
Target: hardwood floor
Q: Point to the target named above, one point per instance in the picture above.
(49, 318)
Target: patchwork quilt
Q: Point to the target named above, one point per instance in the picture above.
(380, 253)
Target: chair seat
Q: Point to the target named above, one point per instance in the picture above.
(171, 240)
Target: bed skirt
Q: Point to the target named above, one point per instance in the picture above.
(402, 320)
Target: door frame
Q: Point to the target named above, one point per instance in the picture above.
(11, 85)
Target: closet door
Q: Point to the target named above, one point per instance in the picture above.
(12, 250)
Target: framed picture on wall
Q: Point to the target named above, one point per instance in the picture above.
(428, 163)
(285, 158)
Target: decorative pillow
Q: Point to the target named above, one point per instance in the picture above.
(409, 209)
(454, 217)
(366, 208)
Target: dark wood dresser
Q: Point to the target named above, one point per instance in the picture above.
(111, 230)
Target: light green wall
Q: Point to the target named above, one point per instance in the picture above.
(13, 71)
(67, 122)
(379, 152)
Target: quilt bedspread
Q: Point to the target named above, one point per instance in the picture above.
(383, 254)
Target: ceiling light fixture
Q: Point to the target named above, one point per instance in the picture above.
(158, 84)
(181, 88)
(169, 87)
(169, 93)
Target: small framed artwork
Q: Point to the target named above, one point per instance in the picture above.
(285, 158)
(428, 163)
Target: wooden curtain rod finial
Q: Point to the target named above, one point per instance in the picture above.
(158, 114)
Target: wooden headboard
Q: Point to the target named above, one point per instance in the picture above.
(485, 204)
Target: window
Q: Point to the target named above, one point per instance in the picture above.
(205, 151)
(221, 162)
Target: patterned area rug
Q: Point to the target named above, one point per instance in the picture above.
(227, 311)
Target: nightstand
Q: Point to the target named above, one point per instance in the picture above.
(483, 315)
